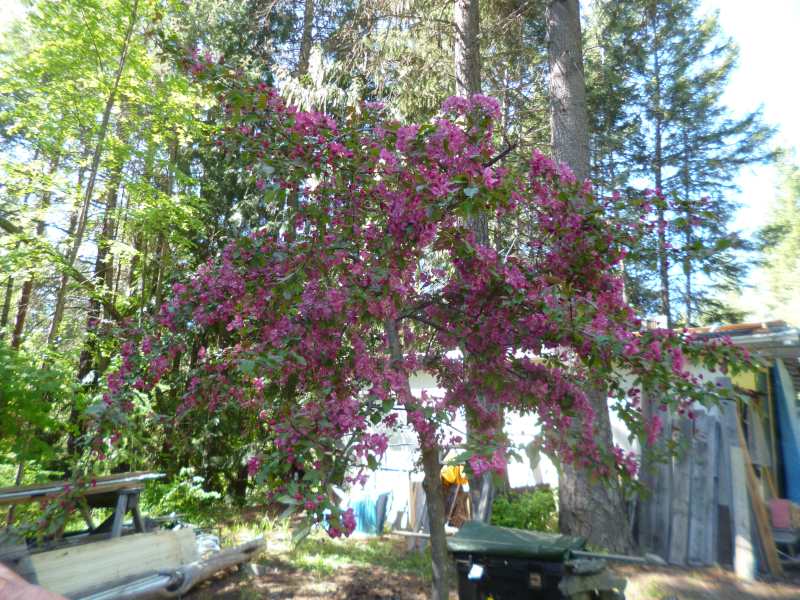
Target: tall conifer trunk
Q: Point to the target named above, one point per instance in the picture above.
(588, 509)
(467, 57)
(658, 166)
(306, 40)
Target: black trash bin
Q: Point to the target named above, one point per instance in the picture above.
(504, 564)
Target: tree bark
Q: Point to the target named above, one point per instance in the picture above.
(466, 17)
(586, 508)
(98, 311)
(434, 497)
(103, 269)
(569, 124)
(432, 484)
(589, 508)
(306, 40)
(22, 313)
(6, 311)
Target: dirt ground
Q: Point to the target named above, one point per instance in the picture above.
(712, 583)
(275, 576)
(276, 581)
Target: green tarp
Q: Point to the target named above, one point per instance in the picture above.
(475, 537)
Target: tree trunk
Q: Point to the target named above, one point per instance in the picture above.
(22, 313)
(591, 509)
(6, 311)
(432, 484)
(687, 267)
(93, 170)
(658, 165)
(27, 286)
(103, 270)
(434, 497)
(586, 508)
(688, 237)
(569, 125)
(467, 56)
(466, 18)
(306, 40)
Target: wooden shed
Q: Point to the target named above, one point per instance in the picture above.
(730, 497)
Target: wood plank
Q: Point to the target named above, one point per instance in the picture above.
(679, 532)
(760, 510)
(757, 443)
(419, 510)
(704, 492)
(663, 497)
(725, 547)
(773, 428)
(654, 508)
(744, 562)
(77, 569)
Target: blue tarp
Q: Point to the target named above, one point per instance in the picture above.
(786, 409)
(370, 513)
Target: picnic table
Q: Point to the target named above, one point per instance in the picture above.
(119, 492)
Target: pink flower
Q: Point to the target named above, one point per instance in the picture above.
(253, 465)
(405, 135)
(653, 429)
(348, 521)
(479, 464)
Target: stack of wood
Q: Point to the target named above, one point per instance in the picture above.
(707, 506)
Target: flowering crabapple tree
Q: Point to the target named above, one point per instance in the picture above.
(366, 271)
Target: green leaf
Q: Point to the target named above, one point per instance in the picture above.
(300, 534)
(247, 366)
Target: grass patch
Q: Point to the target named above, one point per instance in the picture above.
(323, 557)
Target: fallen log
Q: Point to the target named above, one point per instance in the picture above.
(192, 574)
(175, 583)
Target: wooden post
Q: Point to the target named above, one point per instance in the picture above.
(704, 495)
(654, 508)
(679, 533)
(744, 562)
(759, 508)
(773, 446)
(119, 514)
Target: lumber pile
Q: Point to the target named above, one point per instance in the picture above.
(73, 570)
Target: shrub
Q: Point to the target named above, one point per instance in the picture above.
(183, 496)
(530, 509)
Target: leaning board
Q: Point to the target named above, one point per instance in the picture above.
(97, 564)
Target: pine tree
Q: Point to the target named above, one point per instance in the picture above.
(659, 72)
(780, 244)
